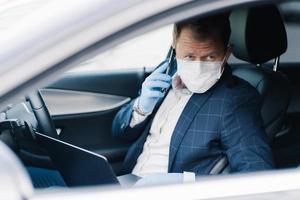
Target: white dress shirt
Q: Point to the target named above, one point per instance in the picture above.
(155, 155)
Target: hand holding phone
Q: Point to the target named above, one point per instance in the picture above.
(153, 89)
(156, 85)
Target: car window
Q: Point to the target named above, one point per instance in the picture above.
(146, 50)
(291, 15)
(150, 49)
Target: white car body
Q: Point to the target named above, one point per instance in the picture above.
(62, 33)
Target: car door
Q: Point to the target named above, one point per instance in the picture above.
(84, 101)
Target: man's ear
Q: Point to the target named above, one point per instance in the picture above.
(228, 52)
(227, 55)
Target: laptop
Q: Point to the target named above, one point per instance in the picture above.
(78, 166)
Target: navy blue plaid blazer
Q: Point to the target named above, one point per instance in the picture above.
(224, 121)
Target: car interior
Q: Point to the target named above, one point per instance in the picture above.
(82, 104)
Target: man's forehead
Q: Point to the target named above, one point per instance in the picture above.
(203, 44)
(187, 40)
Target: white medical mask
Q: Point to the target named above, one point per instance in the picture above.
(199, 76)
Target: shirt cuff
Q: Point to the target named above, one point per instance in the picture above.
(136, 118)
(189, 177)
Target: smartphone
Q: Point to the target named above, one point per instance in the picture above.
(171, 57)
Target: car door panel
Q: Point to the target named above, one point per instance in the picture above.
(116, 82)
(70, 103)
(83, 106)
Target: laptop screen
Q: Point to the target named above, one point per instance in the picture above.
(78, 166)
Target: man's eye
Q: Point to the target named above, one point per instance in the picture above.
(189, 57)
(210, 58)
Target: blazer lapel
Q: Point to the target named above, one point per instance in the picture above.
(189, 112)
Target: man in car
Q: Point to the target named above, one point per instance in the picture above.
(206, 114)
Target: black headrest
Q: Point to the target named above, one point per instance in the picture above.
(257, 33)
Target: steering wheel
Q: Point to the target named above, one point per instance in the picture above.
(40, 110)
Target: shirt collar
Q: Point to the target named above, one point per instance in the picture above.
(178, 86)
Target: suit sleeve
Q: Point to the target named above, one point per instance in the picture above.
(243, 135)
(121, 129)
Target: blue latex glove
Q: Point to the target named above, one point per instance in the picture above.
(152, 88)
(160, 179)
